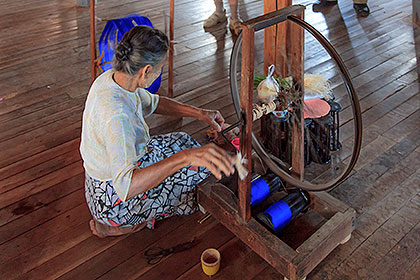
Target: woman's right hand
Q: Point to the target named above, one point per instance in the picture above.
(213, 158)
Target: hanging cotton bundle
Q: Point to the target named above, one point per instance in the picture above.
(317, 86)
(268, 88)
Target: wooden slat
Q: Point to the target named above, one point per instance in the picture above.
(323, 241)
(44, 73)
(281, 55)
(46, 230)
(269, 37)
(110, 256)
(171, 48)
(93, 52)
(33, 219)
(94, 247)
(238, 262)
(295, 55)
(247, 77)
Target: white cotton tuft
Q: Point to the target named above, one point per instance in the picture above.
(239, 165)
(317, 86)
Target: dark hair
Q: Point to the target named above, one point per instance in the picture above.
(140, 46)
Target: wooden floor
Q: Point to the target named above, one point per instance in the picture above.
(44, 79)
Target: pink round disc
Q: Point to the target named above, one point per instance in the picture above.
(235, 142)
(315, 108)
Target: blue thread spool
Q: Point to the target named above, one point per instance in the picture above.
(112, 34)
(259, 191)
(262, 187)
(278, 215)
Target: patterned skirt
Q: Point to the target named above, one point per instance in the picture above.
(174, 196)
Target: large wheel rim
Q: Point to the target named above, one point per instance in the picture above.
(271, 164)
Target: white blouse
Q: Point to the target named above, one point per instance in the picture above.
(114, 132)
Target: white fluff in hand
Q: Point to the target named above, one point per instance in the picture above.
(239, 164)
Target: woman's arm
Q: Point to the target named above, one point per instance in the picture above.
(167, 106)
(210, 156)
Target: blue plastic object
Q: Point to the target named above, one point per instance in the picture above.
(260, 190)
(112, 34)
(280, 214)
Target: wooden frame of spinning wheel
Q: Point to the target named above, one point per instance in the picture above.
(235, 212)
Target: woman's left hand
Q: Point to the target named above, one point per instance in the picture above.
(213, 118)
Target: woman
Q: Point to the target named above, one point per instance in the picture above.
(133, 179)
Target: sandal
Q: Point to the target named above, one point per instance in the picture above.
(214, 19)
(235, 25)
(323, 6)
(362, 10)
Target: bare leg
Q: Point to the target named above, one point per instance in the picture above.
(235, 22)
(233, 8)
(102, 230)
(219, 6)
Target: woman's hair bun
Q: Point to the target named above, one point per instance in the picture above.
(123, 51)
(140, 46)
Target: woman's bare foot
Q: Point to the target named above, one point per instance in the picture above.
(102, 230)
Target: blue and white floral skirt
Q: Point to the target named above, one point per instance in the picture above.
(174, 196)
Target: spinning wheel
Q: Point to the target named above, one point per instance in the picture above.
(296, 149)
(339, 165)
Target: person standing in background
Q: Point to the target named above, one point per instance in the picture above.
(360, 6)
(219, 16)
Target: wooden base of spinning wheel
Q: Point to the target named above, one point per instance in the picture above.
(299, 247)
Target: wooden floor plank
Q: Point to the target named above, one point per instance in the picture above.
(413, 271)
(40, 199)
(398, 218)
(176, 265)
(38, 255)
(44, 231)
(238, 262)
(41, 215)
(44, 73)
(120, 252)
(136, 266)
(94, 246)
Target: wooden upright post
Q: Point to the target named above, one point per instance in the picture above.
(93, 58)
(171, 49)
(295, 53)
(281, 58)
(247, 77)
(284, 47)
(416, 11)
(275, 39)
(269, 36)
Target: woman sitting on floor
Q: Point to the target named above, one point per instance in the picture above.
(132, 179)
